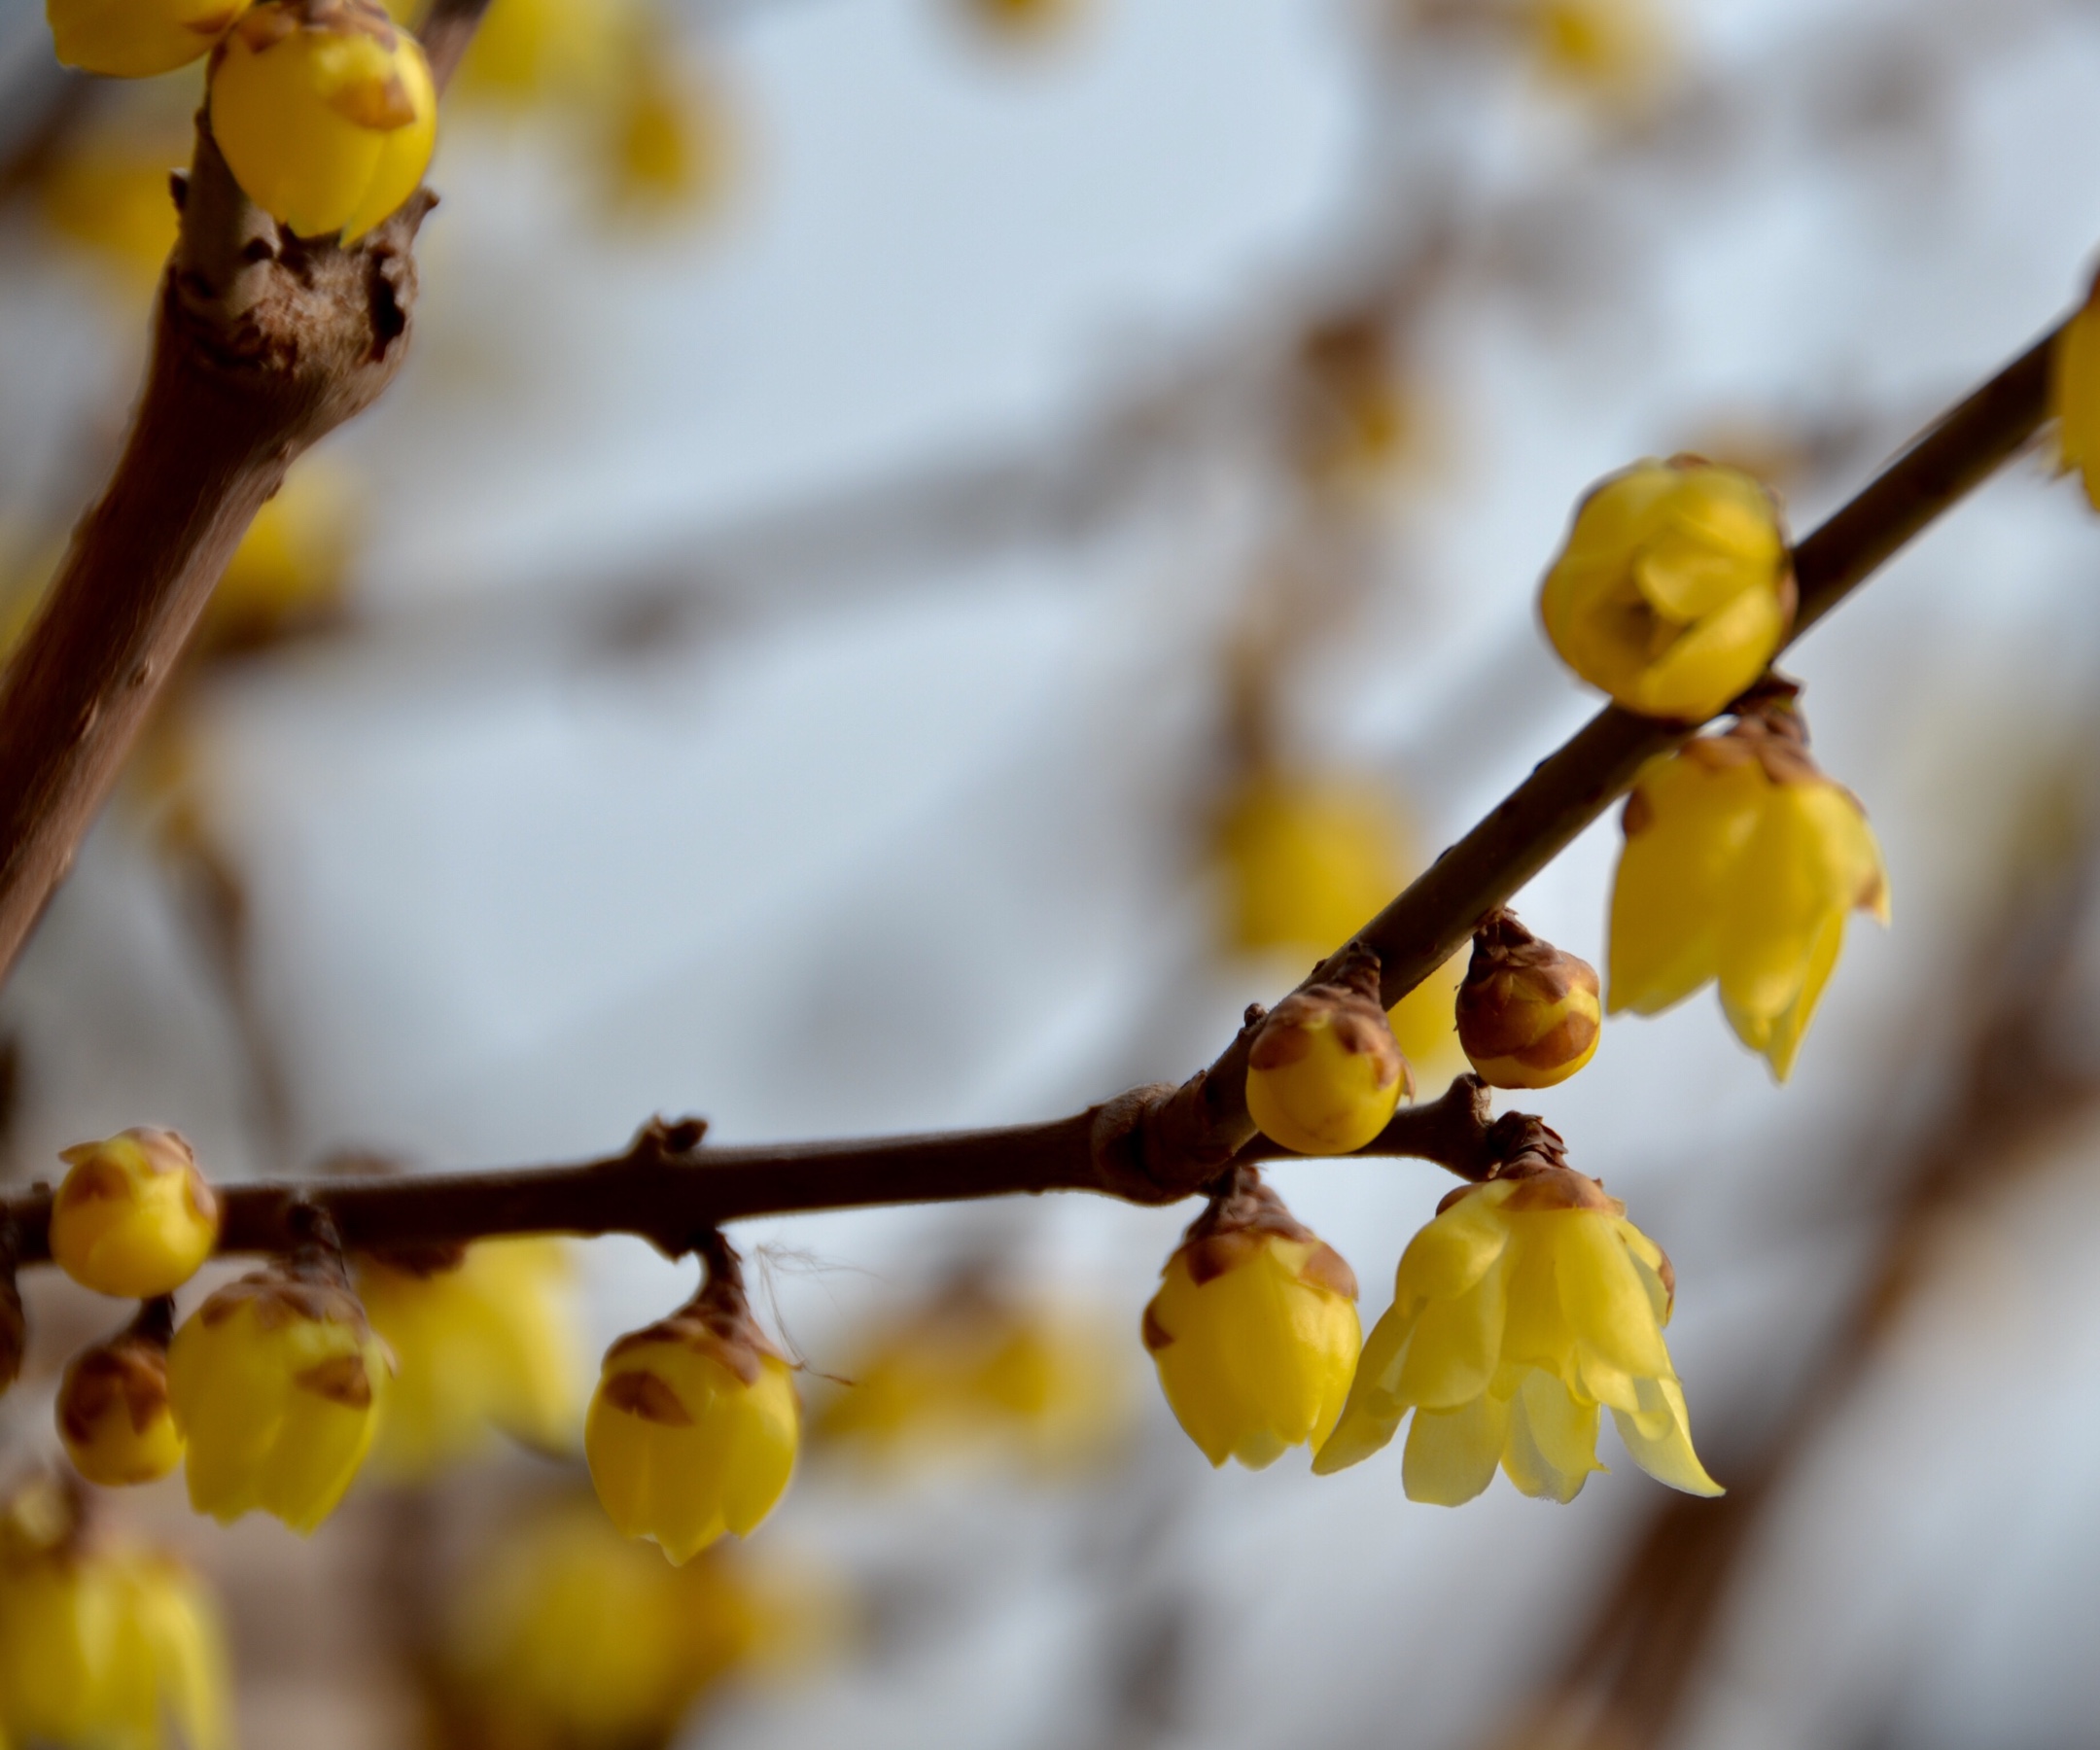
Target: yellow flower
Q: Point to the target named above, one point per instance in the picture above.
(1253, 1329)
(1325, 1074)
(1613, 49)
(1528, 1012)
(105, 1648)
(1742, 863)
(568, 1636)
(693, 1428)
(2075, 394)
(277, 1382)
(529, 50)
(133, 1217)
(134, 39)
(1525, 1305)
(1675, 587)
(114, 1414)
(324, 112)
(670, 140)
(974, 1371)
(481, 1341)
(1306, 862)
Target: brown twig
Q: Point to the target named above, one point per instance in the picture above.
(263, 344)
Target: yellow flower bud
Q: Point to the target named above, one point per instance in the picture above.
(1528, 1304)
(111, 198)
(107, 1646)
(693, 1428)
(670, 136)
(1528, 1012)
(133, 1217)
(324, 112)
(1325, 1074)
(2075, 394)
(1674, 590)
(568, 1635)
(288, 571)
(277, 1382)
(1742, 863)
(1308, 862)
(481, 1340)
(1253, 1329)
(134, 39)
(114, 1413)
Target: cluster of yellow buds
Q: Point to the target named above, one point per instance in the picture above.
(277, 1382)
(1324, 1072)
(1674, 590)
(1527, 1011)
(1305, 861)
(1742, 862)
(693, 1428)
(324, 110)
(483, 1338)
(100, 1645)
(1528, 1304)
(1253, 1329)
(977, 1372)
(2075, 394)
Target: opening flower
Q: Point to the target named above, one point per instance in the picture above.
(135, 38)
(1674, 590)
(1742, 862)
(1529, 1304)
(1253, 1329)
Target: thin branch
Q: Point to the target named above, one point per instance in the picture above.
(667, 1188)
(263, 344)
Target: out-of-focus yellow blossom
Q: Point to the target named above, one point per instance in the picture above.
(976, 1373)
(111, 199)
(1617, 51)
(277, 1382)
(1307, 863)
(1674, 590)
(1253, 1329)
(1525, 1305)
(104, 1648)
(326, 113)
(2075, 394)
(1742, 864)
(670, 137)
(134, 39)
(288, 570)
(693, 1428)
(1325, 1074)
(568, 1636)
(484, 1340)
(133, 1217)
(529, 52)
(114, 1414)
(1528, 1015)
